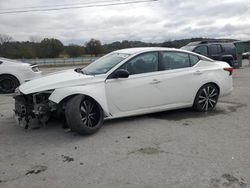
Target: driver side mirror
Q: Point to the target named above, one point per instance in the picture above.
(121, 73)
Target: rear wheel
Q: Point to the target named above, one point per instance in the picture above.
(8, 84)
(206, 98)
(84, 115)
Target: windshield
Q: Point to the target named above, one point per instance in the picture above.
(188, 48)
(104, 64)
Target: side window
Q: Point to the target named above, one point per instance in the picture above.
(144, 63)
(201, 50)
(175, 60)
(215, 49)
(193, 59)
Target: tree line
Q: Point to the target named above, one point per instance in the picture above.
(53, 48)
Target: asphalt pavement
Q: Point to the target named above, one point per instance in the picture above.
(175, 149)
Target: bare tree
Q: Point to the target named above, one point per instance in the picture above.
(5, 38)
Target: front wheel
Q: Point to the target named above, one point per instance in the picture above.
(84, 115)
(206, 98)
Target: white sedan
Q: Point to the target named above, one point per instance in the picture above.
(123, 83)
(14, 73)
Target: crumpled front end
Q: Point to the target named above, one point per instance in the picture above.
(33, 108)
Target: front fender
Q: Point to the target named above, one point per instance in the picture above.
(96, 91)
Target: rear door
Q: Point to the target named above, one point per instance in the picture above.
(179, 78)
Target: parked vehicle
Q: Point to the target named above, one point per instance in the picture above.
(216, 51)
(124, 83)
(246, 55)
(13, 73)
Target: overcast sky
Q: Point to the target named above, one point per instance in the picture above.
(151, 22)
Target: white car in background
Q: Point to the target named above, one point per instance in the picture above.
(13, 73)
(124, 83)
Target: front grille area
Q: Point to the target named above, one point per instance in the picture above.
(23, 105)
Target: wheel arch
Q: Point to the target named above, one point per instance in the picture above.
(7, 74)
(66, 99)
(216, 85)
(62, 96)
(229, 59)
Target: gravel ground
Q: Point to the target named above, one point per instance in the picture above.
(176, 149)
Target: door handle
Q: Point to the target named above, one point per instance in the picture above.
(198, 72)
(155, 81)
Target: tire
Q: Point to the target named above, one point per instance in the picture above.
(84, 115)
(206, 98)
(8, 84)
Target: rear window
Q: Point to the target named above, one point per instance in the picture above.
(193, 59)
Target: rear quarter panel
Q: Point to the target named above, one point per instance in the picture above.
(21, 72)
(214, 72)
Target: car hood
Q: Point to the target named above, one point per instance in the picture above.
(56, 80)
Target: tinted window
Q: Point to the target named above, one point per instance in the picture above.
(215, 49)
(201, 50)
(175, 60)
(193, 59)
(144, 63)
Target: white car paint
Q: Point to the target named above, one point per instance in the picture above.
(140, 93)
(61, 79)
(22, 71)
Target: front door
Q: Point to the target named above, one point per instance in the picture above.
(137, 92)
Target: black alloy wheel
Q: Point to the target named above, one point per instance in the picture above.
(84, 115)
(206, 98)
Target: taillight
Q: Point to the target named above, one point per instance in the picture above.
(35, 69)
(230, 70)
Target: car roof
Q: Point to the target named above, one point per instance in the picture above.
(132, 51)
(198, 43)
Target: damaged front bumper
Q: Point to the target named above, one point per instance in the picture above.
(33, 109)
(25, 122)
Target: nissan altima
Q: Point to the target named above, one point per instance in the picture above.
(124, 83)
